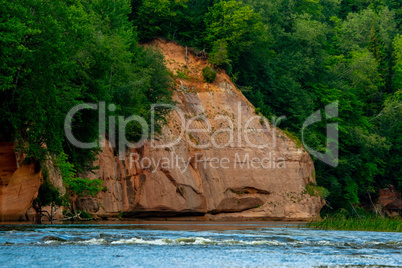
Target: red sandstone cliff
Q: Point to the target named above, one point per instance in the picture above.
(204, 189)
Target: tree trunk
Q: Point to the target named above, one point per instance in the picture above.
(186, 56)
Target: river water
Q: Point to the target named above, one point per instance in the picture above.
(176, 244)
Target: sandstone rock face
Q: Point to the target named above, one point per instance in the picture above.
(228, 165)
(18, 186)
(390, 199)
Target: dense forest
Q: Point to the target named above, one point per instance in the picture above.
(289, 57)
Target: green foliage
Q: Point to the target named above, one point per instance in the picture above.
(84, 215)
(318, 191)
(288, 57)
(340, 221)
(235, 25)
(397, 45)
(219, 55)
(93, 56)
(184, 74)
(57, 54)
(82, 186)
(209, 74)
(154, 17)
(47, 195)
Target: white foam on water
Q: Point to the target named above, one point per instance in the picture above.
(326, 243)
(92, 241)
(209, 241)
(266, 242)
(51, 242)
(195, 241)
(135, 240)
(166, 241)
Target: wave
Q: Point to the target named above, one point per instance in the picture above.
(113, 240)
(208, 241)
(195, 241)
(93, 241)
(168, 241)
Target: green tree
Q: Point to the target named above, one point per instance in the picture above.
(58, 54)
(235, 24)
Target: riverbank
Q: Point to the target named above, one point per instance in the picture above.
(364, 223)
(167, 225)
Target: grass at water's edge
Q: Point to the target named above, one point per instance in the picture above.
(371, 223)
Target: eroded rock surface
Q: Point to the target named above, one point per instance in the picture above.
(220, 181)
(18, 185)
(390, 199)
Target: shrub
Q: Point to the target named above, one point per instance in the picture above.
(209, 74)
(318, 191)
(219, 55)
(85, 215)
(83, 186)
